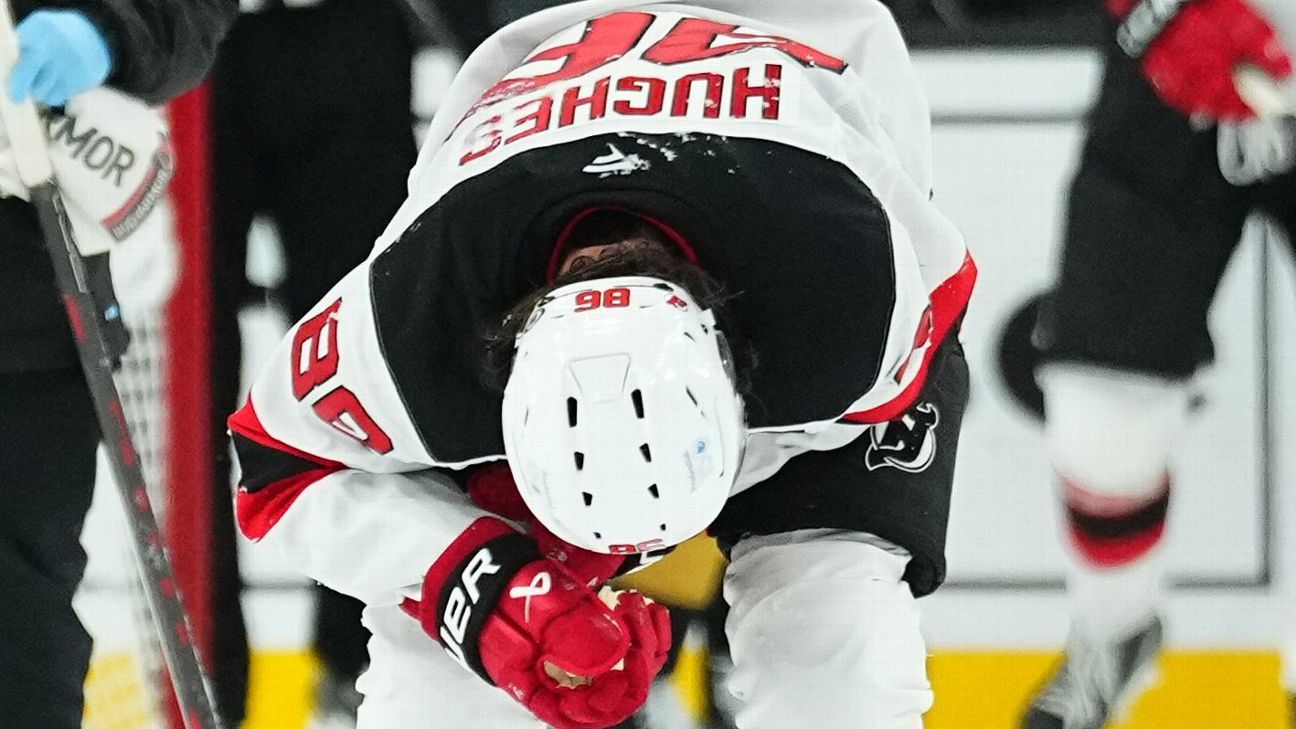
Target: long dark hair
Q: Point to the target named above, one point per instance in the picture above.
(656, 257)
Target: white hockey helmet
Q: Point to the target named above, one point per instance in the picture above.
(622, 423)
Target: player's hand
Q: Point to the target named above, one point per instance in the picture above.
(1191, 63)
(566, 696)
(60, 54)
(520, 619)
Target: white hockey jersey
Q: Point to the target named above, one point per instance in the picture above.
(787, 143)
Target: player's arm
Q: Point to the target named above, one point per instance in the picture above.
(336, 480)
(474, 582)
(151, 49)
(1190, 49)
(334, 475)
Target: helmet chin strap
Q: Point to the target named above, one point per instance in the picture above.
(726, 355)
(731, 371)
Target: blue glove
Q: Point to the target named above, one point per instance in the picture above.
(60, 54)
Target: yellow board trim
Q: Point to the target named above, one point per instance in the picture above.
(689, 577)
(974, 690)
(1197, 690)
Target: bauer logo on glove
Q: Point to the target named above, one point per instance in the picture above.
(575, 658)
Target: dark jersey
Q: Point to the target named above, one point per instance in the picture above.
(802, 243)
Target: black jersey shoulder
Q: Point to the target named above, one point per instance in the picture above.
(802, 244)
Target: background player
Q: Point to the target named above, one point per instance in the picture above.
(153, 51)
(1153, 222)
(296, 130)
(651, 167)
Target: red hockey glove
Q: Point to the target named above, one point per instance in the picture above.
(519, 620)
(1191, 48)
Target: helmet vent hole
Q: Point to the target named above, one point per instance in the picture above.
(647, 453)
(580, 460)
(691, 396)
(663, 527)
(689, 337)
(571, 412)
(653, 490)
(589, 498)
(637, 398)
(597, 535)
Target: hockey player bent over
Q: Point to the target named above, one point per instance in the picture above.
(622, 206)
(1155, 212)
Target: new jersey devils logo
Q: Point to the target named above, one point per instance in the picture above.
(907, 443)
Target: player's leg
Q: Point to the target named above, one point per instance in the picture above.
(411, 682)
(823, 632)
(1152, 224)
(1110, 436)
(47, 470)
(827, 556)
(341, 145)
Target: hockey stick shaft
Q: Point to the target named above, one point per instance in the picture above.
(27, 138)
(159, 584)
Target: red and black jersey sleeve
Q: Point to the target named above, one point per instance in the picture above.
(274, 473)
